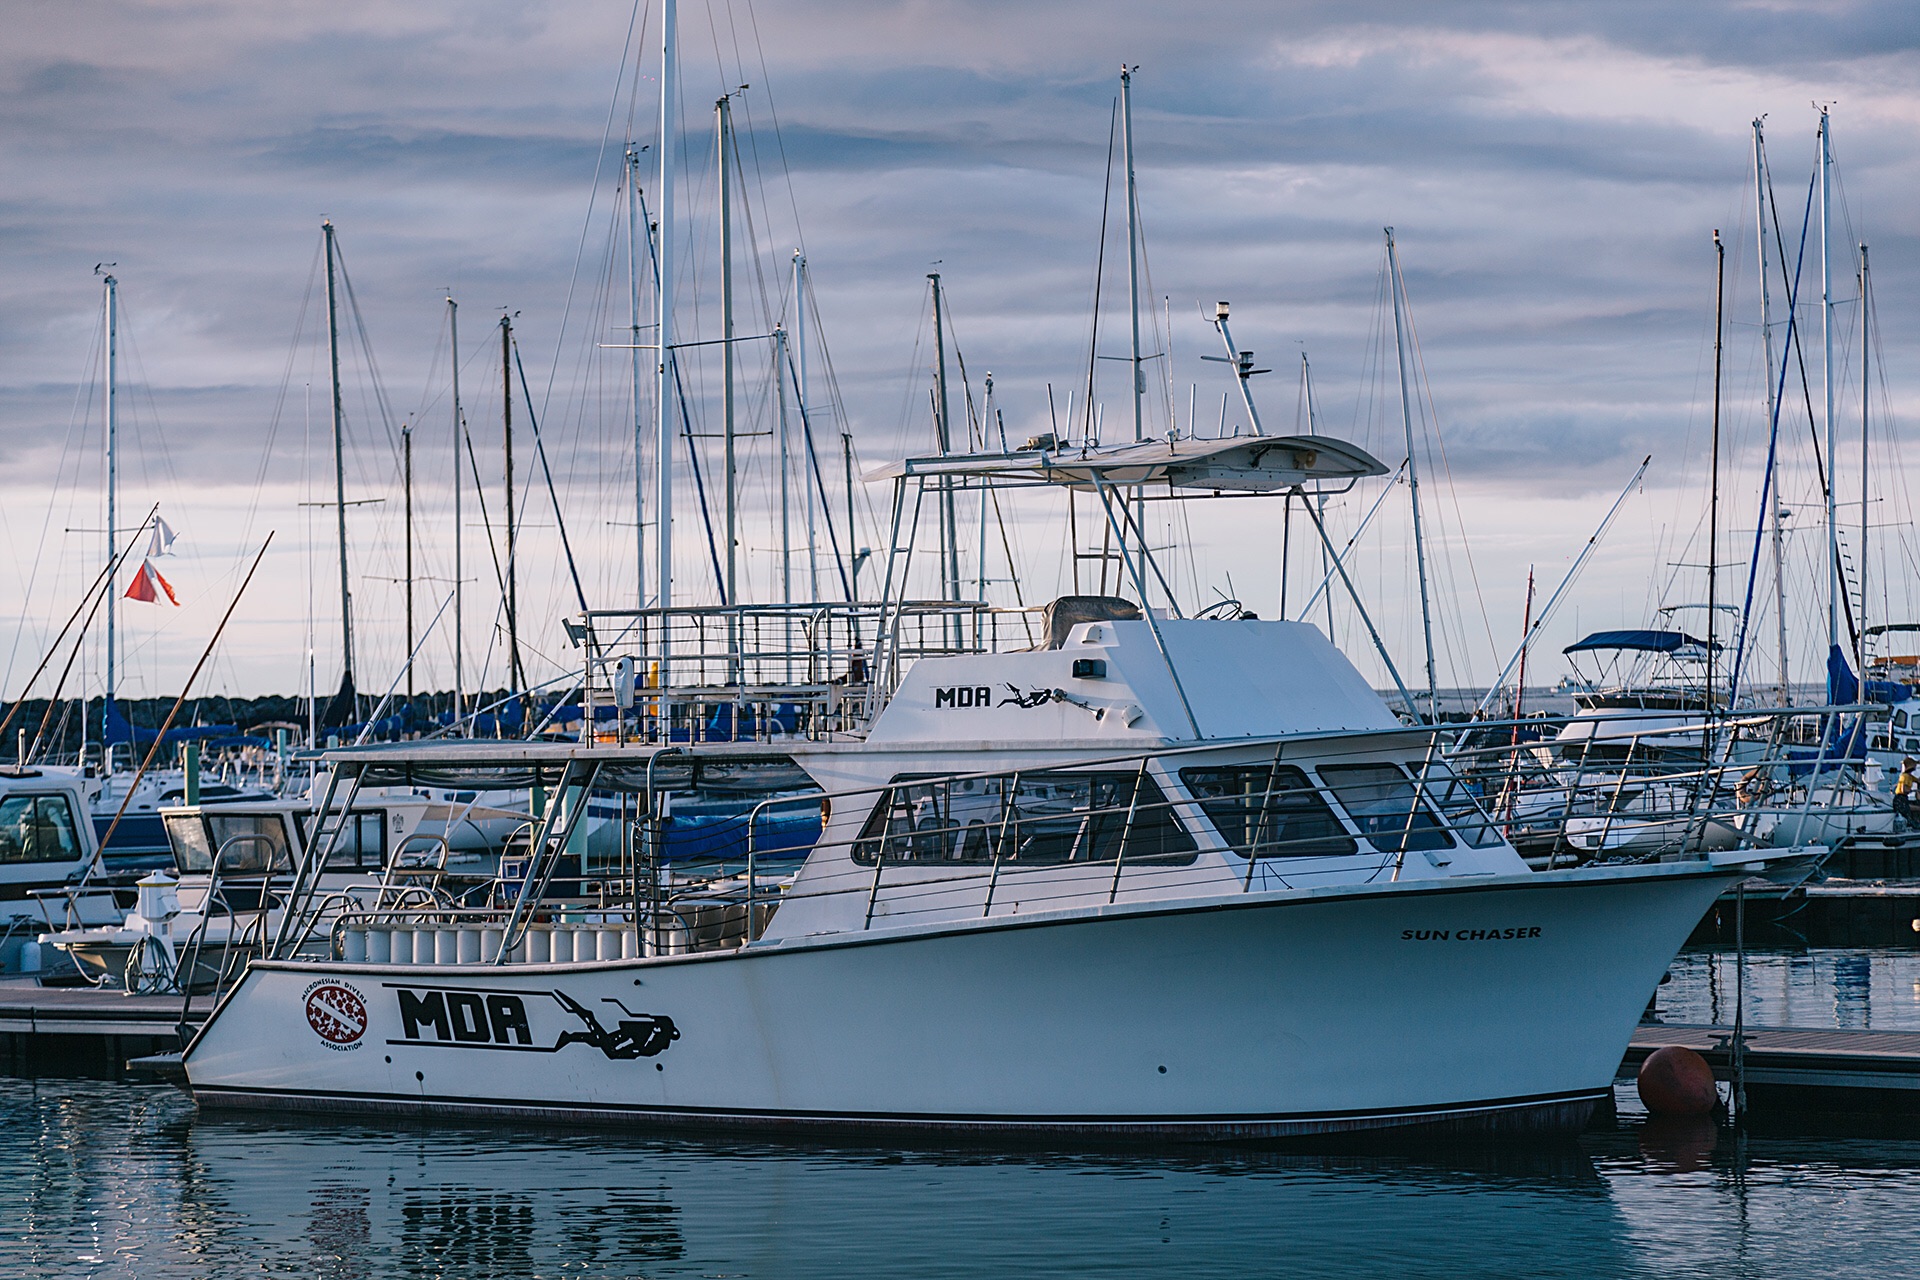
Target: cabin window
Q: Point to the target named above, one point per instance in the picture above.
(1042, 818)
(363, 842)
(37, 829)
(1381, 801)
(1268, 811)
(1899, 719)
(196, 837)
(1448, 792)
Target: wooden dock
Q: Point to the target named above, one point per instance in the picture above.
(83, 1030)
(1798, 1070)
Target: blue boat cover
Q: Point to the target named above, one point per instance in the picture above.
(1646, 641)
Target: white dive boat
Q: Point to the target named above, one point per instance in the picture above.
(1153, 875)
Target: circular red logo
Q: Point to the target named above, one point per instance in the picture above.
(336, 1013)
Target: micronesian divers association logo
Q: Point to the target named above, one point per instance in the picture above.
(337, 1012)
(469, 1018)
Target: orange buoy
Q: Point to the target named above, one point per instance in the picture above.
(1677, 1082)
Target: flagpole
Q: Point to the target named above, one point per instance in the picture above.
(185, 689)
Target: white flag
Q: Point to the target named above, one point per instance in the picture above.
(161, 544)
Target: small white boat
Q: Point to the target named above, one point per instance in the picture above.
(187, 927)
(47, 848)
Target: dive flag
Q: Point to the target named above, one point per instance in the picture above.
(143, 584)
(161, 544)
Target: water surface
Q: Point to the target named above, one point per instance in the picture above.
(114, 1180)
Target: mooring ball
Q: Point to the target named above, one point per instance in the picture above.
(1677, 1082)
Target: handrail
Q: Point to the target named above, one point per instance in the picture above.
(187, 961)
(753, 816)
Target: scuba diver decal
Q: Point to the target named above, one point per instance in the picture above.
(471, 1018)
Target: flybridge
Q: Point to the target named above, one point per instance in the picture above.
(1239, 679)
(825, 670)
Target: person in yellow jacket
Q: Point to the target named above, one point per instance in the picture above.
(1903, 790)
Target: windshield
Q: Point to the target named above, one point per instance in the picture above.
(258, 841)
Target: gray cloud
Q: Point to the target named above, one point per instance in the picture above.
(1553, 171)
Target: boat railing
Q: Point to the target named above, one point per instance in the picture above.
(763, 672)
(1173, 821)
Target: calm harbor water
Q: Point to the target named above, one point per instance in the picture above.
(116, 1180)
(1863, 988)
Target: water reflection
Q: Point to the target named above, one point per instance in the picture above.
(1866, 988)
(115, 1181)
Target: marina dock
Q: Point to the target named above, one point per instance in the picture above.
(85, 1031)
(1802, 1070)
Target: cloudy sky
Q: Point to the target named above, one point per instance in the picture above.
(1553, 172)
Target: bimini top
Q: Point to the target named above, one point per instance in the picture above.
(1248, 464)
(1644, 641)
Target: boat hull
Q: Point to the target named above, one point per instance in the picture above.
(1500, 1005)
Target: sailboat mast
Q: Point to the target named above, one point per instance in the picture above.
(113, 490)
(1398, 288)
(1835, 579)
(406, 486)
(1133, 249)
(1772, 481)
(459, 533)
(786, 466)
(636, 250)
(515, 677)
(806, 424)
(942, 421)
(339, 459)
(723, 111)
(1866, 369)
(663, 320)
(1713, 484)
